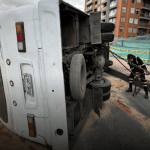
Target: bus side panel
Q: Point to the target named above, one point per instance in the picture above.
(22, 63)
(52, 50)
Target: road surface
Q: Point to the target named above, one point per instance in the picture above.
(124, 125)
(124, 122)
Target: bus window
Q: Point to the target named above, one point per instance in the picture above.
(3, 106)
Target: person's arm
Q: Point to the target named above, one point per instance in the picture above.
(143, 66)
(131, 67)
(140, 62)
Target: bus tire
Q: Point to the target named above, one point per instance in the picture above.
(107, 27)
(107, 37)
(106, 96)
(77, 77)
(106, 86)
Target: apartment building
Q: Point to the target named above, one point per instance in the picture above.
(131, 17)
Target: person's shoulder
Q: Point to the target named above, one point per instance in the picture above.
(138, 57)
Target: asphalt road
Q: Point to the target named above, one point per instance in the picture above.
(124, 125)
(124, 122)
(117, 131)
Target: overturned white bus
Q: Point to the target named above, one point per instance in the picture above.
(51, 54)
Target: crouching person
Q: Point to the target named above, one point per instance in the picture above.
(141, 69)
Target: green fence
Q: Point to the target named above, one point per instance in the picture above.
(139, 46)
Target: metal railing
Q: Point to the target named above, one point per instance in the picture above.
(144, 25)
(142, 33)
(89, 2)
(112, 15)
(89, 9)
(114, 4)
(103, 1)
(145, 15)
(103, 9)
(146, 5)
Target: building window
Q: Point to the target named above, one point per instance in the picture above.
(125, 1)
(122, 19)
(130, 29)
(137, 11)
(124, 9)
(121, 29)
(134, 30)
(98, 9)
(133, 1)
(132, 10)
(131, 20)
(99, 1)
(138, 1)
(135, 21)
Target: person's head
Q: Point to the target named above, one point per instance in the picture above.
(130, 57)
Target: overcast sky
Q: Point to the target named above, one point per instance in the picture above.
(9, 4)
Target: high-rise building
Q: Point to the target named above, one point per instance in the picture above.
(131, 17)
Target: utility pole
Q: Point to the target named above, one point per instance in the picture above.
(107, 11)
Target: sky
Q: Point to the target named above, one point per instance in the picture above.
(10, 4)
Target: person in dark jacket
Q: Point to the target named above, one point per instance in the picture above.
(137, 65)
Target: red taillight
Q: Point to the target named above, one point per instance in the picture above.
(31, 125)
(32, 133)
(20, 37)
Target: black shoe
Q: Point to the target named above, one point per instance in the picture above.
(129, 90)
(146, 95)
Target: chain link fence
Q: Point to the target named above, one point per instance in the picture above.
(138, 46)
(135, 42)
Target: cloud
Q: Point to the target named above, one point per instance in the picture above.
(10, 4)
(77, 3)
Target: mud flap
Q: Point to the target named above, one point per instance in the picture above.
(97, 99)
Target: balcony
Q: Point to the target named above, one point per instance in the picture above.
(89, 9)
(103, 9)
(103, 17)
(144, 26)
(146, 6)
(145, 16)
(103, 1)
(113, 5)
(142, 33)
(112, 15)
(89, 2)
